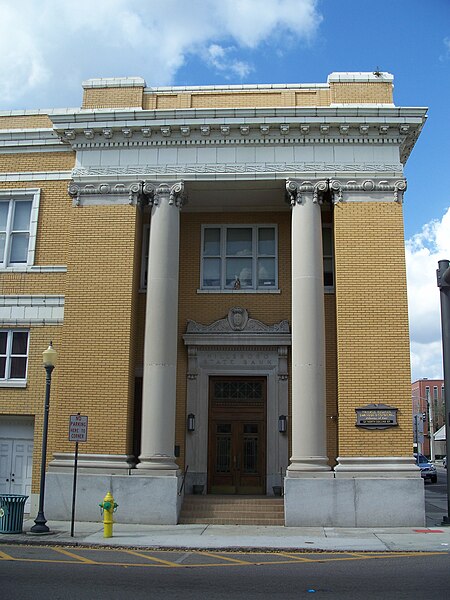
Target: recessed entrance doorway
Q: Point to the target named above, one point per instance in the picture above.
(237, 435)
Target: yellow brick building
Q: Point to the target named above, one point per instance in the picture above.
(221, 270)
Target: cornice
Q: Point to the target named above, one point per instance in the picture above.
(30, 140)
(322, 113)
(183, 127)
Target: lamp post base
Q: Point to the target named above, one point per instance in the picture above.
(445, 520)
(40, 524)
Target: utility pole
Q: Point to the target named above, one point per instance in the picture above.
(443, 283)
(430, 426)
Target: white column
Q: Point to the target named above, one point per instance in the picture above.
(308, 332)
(161, 330)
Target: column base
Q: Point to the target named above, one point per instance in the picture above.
(304, 466)
(376, 466)
(157, 463)
(92, 463)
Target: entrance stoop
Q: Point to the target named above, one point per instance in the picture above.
(232, 510)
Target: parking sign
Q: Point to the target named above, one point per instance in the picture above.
(78, 428)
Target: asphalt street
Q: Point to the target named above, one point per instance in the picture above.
(41, 570)
(40, 573)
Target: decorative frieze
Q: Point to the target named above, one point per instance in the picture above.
(103, 192)
(397, 187)
(234, 167)
(237, 329)
(237, 320)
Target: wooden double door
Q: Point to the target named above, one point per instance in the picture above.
(237, 435)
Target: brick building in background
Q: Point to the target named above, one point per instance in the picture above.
(222, 272)
(428, 402)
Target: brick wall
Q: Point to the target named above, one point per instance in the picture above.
(113, 97)
(372, 325)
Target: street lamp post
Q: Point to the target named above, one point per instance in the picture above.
(443, 282)
(49, 359)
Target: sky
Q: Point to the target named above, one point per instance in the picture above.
(48, 47)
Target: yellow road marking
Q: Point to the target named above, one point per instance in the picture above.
(76, 556)
(222, 557)
(168, 563)
(296, 557)
(225, 561)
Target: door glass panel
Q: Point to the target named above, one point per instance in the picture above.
(223, 448)
(243, 390)
(250, 447)
(224, 428)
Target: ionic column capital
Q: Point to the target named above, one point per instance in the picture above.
(297, 190)
(155, 192)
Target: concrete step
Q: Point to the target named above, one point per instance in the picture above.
(232, 510)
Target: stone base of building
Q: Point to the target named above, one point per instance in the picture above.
(354, 502)
(141, 499)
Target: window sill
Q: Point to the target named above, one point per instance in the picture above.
(34, 269)
(13, 383)
(245, 291)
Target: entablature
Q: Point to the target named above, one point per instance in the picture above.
(109, 128)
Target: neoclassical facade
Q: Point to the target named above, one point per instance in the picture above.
(222, 272)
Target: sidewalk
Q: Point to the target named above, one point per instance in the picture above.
(431, 538)
(228, 537)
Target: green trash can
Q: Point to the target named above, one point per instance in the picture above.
(11, 513)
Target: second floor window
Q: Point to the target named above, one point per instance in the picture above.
(239, 257)
(15, 219)
(13, 354)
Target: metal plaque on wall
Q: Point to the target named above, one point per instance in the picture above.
(376, 416)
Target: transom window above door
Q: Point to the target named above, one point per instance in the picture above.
(239, 257)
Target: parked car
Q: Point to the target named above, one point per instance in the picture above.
(427, 469)
(444, 462)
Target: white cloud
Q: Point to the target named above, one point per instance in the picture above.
(220, 58)
(423, 251)
(48, 46)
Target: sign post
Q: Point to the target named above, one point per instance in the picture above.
(78, 425)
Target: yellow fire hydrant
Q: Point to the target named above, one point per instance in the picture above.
(108, 507)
